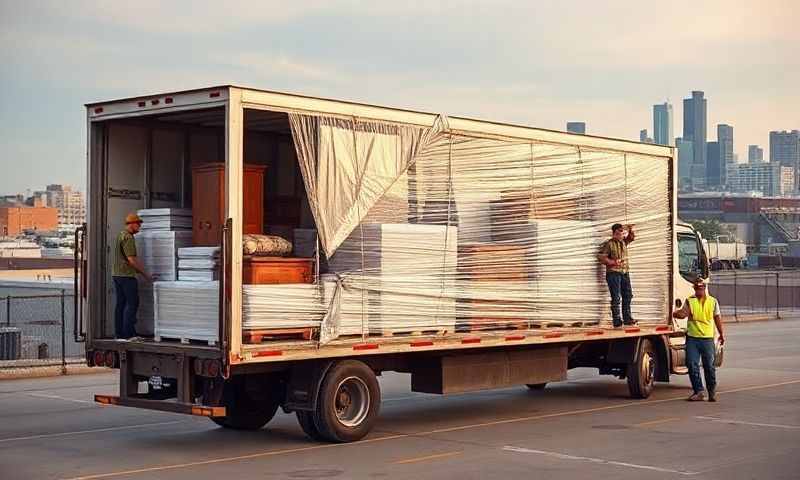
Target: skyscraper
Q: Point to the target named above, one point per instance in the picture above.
(725, 140)
(694, 129)
(576, 127)
(714, 165)
(662, 124)
(784, 148)
(685, 158)
(643, 137)
(755, 154)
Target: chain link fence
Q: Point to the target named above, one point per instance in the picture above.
(745, 294)
(36, 329)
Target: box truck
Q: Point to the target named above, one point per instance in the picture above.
(342, 240)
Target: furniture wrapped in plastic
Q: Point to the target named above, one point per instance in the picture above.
(389, 268)
(166, 219)
(187, 311)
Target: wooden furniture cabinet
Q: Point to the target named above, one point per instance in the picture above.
(208, 202)
(264, 270)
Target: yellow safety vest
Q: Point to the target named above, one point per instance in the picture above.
(701, 325)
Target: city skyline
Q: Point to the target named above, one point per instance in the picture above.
(424, 56)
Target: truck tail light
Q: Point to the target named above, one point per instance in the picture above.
(110, 359)
(99, 358)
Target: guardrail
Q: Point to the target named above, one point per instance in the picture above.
(744, 293)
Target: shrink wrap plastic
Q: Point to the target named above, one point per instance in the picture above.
(434, 230)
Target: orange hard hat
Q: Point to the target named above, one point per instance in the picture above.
(133, 218)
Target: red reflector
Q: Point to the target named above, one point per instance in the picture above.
(553, 335)
(422, 344)
(269, 353)
(595, 332)
(168, 100)
(110, 359)
(633, 330)
(213, 94)
(154, 101)
(662, 329)
(515, 337)
(99, 358)
(366, 346)
(98, 110)
(142, 104)
(471, 340)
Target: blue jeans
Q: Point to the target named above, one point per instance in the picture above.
(619, 286)
(697, 348)
(127, 304)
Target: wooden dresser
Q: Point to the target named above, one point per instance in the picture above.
(208, 202)
(263, 270)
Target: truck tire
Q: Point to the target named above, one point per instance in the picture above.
(641, 373)
(348, 402)
(536, 386)
(246, 408)
(306, 421)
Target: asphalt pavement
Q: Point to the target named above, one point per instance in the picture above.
(586, 427)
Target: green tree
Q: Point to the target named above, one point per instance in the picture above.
(709, 229)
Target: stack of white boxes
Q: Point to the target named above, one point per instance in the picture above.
(397, 278)
(198, 264)
(187, 311)
(157, 247)
(281, 306)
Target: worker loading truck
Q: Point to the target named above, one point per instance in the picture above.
(302, 246)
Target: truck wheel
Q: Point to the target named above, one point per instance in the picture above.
(246, 408)
(536, 386)
(641, 373)
(306, 421)
(348, 403)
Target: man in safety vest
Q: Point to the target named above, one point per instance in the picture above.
(704, 314)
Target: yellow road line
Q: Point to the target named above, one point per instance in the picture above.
(656, 422)
(414, 434)
(427, 457)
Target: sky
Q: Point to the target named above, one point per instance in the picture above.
(537, 63)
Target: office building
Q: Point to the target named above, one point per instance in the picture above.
(784, 148)
(576, 127)
(694, 129)
(769, 179)
(662, 124)
(714, 165)
(70, 204)
(685, 159)
(643, 137)
(725, 141)
(755, 154)
(15, 220)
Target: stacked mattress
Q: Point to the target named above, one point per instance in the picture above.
(187, 311)
(164, 219)
(198, 264)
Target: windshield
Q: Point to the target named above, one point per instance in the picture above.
(689, 257)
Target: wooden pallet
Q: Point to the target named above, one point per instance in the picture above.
(258, 336)
(427, 332)
(187, 341)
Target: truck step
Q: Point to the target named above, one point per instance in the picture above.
(258, 336)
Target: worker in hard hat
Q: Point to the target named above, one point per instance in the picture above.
(126, 267)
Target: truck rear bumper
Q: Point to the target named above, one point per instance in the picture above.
(162, 405)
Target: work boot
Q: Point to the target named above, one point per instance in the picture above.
(631, 321)
(712, 396)
(697, 397)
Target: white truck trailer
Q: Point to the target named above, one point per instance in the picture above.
(460, 251)
(725, 253)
